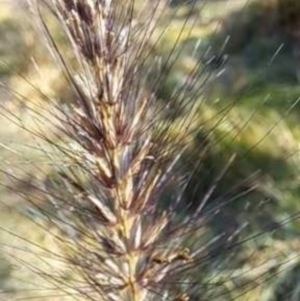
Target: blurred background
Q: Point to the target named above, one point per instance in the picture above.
(249, 51)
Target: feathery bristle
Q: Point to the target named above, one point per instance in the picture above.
(117, 209)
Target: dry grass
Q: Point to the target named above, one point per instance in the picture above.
(118, 161)
(104, 224)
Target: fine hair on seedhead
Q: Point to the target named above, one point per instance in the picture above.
(125, 203)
